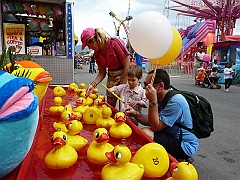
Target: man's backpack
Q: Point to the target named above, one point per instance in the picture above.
(201, 112)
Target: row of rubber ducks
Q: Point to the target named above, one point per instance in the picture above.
(67, 141)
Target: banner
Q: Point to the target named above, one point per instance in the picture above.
(14, 37)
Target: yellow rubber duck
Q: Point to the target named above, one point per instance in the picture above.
(68, 115)
(82, 87)
(120, 129)
(63, 155)
(99, 146)
(74, 127)
(72, 87)
(99, 102)
(60, 126)
(105, 121)
(88, 100)
(120, 167)
(81, 105)
(91, 114)
(69, 108)
(59, 91)
(94, 95)
(154, 158)
(184, 170)
(57, 108)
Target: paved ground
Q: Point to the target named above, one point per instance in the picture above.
(218, 157)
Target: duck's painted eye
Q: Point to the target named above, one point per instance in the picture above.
(118, 155)
(70, 125)
(68, 115)
(97, 135)
(64, 137)
(52, 138)
(175, 169)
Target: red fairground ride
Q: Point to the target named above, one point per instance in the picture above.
(225, 12)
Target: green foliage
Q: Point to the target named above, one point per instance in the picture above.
(8, 56)
(27, 56)
(4, 58)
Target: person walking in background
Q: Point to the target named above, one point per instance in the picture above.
(228, 75)
(112, 58)
(178, 142)
(132, 93)
(198, 60)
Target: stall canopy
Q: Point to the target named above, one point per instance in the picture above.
(233, 38)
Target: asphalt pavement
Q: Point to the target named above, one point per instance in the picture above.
(218, 157)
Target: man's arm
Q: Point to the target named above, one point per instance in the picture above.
(141, 118)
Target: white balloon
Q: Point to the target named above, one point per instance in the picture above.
(150, 34)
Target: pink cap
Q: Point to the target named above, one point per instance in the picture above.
(86, 34)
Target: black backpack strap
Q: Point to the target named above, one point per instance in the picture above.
(169, 94)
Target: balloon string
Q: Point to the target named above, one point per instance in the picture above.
(154, 73)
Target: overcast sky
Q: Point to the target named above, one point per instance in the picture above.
(95, 14)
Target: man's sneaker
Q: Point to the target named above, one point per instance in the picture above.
(227, 90)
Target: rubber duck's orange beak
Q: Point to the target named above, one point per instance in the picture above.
(59, 142)
(101, 102)
(79, 102)
(103, 137)
(67, 124)
(120, 119)
(72, 117)
(111, 157)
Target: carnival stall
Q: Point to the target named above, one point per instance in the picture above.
(44, 29)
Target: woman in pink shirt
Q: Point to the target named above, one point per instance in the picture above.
(112, 58)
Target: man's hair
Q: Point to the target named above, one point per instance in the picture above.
(161, 76)
(134, 71)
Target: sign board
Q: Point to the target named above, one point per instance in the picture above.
(14, 37)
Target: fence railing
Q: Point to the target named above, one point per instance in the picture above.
(184, 69)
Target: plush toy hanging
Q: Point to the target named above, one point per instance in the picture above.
(27, 8)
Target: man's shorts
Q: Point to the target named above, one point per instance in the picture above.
(171, 144)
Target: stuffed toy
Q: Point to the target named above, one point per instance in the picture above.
(19, 115)
(36, 73)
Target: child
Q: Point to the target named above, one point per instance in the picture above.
(228, 75)
(132, 93)
(213, 76)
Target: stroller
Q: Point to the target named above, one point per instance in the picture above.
(207, 77)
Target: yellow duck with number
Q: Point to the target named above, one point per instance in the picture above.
(57, 108)
(105, 121)
(91, 114)
(81, 105)
(99, 146)
(62, 155)
(184, 170)
(120, 167)
(154, 158)
(120, 129)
